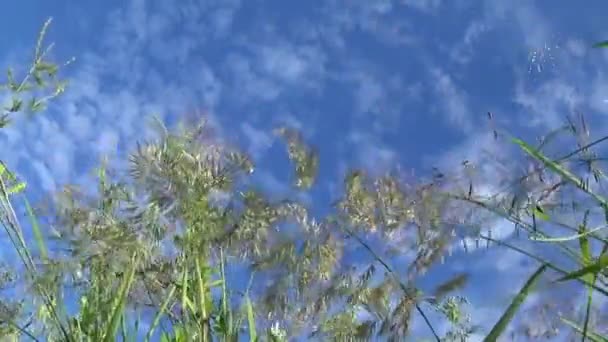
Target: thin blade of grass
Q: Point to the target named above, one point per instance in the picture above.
(541, 260)
(123, 328)
(595, 337)
(568, 238)
(136, 325)
(540, 213)
(17, 188)
(454, 283)
(563, 172)
(119, 302)
(593, 268)
(603, 44)
(202, 298)
(225, 299)
(587, 259)
(36, 230)
(160, 312)
(588, 308)
(253, 336)
(508, 315)
(184, 299)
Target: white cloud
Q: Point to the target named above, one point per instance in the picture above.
(45, 177)
(371, 154)
(249, 85)
(370, 93)
(107, 142)
(283, 63)
(576, 47)
(547, 104)
(465, 50)
(599, 93)
(258, 141)
(424, 5)
(79, 125)
(278, 67)
(451, 101)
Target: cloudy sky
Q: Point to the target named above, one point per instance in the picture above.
(371, 83)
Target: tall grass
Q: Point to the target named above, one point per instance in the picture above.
(559, 202)
(117, 263)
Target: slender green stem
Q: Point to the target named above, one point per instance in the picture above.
(543, 261)
(395, 278)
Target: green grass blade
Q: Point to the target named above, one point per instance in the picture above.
(593, 268)
(540, 213)
(136, 325)
(603, 44)
(595, 337)
(560, 170)
(119, 303)
(36, 229)
(587, 259)
(123, 328)
(202, 297)
(506, 318)
(568, 238)
(184, 299)
(225, 298)
(253, 336)
(201, 289)
(160, 312)
(17, 188)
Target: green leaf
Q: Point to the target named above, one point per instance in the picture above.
(11, 80)
(4, 120)
(603, 44)
(17, 188)
(50, 69)
(16, 105)
(508, 315)
(36, 105)
(593, 268)
(540, 213)
(60, 88)
(38, 79)
(452, 284)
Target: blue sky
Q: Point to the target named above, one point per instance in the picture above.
(371, 83)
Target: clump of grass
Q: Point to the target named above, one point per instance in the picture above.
(116, 237)
(564, 194)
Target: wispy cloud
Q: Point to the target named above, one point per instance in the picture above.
(451, 100)
(548, 103)
(355, 75)
(424, 5)
(258, 141)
